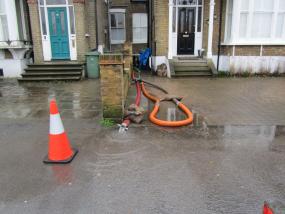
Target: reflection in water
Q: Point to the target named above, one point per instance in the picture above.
(257, 132)
(240, 136)
(62, 173)
(76, 105)
(171, 114)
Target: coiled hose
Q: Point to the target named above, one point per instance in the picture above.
(140, 86)
(155, 120)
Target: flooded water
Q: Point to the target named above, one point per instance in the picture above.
(31, 100)
(211, 169)
(231, 166)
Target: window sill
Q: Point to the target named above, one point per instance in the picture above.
(117, 42)
(139, 42)
(244, 43)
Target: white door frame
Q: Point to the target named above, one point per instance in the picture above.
(173, 36)
(46, 45)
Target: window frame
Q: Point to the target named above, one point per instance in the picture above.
(43, 8)
(117, 11)
(144, 40)
(235, 39)
(4, 32)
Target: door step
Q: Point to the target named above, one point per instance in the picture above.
(193, 74)
(195, 67)
(51, 72)
(61, 78)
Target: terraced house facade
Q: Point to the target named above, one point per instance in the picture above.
(15, 37)
(234, 35)
(192, 37)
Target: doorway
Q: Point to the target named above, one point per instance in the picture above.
(186, 31)
(59, 37)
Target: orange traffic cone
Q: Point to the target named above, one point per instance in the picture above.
(267, 209)
(60, 151)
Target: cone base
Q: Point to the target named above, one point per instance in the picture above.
(66, 161)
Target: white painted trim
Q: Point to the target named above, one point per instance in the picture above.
(246, 43)
(46, 44)
(173, 36)
(117, 10)
(252, 64)
(170, 15)
(55, 125)
(72, 37)
(211, 27)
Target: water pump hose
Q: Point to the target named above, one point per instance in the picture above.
(155, 120)
(140, 86)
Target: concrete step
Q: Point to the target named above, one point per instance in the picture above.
(193, 74)
(190, 64)
(53, 69)
(54, 64)
(191, 69)
(60, 78)
(57, 73)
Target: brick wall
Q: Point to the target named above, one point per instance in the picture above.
(112, 88)
(115, 72)
(90, 22)
(36, 31)
(81, 30)
(161, 27)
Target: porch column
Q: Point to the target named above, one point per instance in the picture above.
(210, 31)
(170, 15)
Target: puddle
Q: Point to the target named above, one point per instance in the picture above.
(31, 100)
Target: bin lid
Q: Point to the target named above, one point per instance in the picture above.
(93, 53)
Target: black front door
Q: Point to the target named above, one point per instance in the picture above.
(186, 31)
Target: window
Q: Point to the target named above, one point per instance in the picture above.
(72, 21)
(43, 15)
(139, 28)
(43, 18)
(117, 25)
(255, 21)
(4, 34)
(54, 2)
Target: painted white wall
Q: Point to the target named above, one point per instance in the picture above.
(252, 64)
(13, 67)
(158, 60)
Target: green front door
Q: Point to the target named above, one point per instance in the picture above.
(58, 30)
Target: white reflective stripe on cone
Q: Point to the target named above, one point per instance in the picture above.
(55, 124)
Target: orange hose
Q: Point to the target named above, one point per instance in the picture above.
(155, 110)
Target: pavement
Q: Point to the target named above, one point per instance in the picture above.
(230, 161)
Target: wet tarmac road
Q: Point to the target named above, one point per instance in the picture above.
(202, 169)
